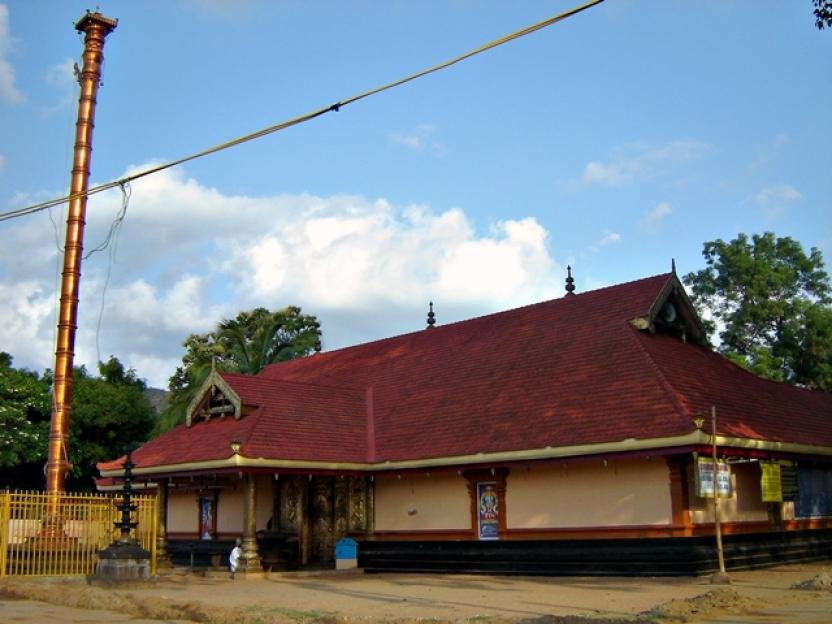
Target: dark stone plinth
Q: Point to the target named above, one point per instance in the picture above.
(123, 561)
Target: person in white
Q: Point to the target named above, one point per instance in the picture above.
(235, 558)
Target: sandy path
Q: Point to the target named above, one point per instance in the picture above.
(328, 597)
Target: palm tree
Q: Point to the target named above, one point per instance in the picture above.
(258, 338)
(245, 344)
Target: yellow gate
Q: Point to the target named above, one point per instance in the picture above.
(60, 534)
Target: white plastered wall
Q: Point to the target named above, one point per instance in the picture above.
(230, 513)
(625, 492)
(265, 500)
(183, 512)
(230, 509)
(418, 502)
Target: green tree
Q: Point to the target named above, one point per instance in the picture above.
(110, 415)
(24, 419)
(771, 301)
(244, 344)
(823, 13)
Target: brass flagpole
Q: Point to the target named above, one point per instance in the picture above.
(96, 27)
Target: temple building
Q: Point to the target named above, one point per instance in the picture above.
(568, 436)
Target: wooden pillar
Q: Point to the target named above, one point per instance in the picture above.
(679, 496)
(277, 504)
(162, 557)
(252, 557)
(304, 523)
(371, 508)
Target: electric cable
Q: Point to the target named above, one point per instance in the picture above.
(126, 192)
(112, 242)
(305, 117)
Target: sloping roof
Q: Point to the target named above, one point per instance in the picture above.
(747, 406)
(289, 420)
(568, 372)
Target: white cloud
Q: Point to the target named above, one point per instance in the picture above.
(655, 215)
(356, 253)
(777, 194)
(188, 256)
(8, 90)
(62, 74)
(418, 139)
(62, 77)
(659, 212)
(608, 237)
(774, 199)
(2, 162)
(639, 162)
(27, 319)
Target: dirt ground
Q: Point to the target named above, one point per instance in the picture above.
(801, 594)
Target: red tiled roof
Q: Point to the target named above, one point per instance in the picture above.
(564, 372)
(285, 414)
(747, 406)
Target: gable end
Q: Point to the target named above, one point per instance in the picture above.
(214, 398)
(673, 313)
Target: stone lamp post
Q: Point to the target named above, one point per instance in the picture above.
(124, 559)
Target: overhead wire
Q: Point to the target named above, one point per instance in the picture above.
(126, 192)
(305, 117)
(111, 242)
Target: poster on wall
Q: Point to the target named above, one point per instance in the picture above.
(770, 482)
(705, 478)
(206, 518)
(488, 518)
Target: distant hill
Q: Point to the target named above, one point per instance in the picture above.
(157, 397)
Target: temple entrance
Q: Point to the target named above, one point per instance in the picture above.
(315, 512)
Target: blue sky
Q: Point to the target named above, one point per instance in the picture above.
(612, 141)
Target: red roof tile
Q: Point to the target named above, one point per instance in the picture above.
(565, 372)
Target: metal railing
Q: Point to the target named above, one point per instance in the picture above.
(60, 534)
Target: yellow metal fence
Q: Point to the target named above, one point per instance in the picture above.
(60, 534)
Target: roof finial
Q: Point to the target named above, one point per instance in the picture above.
(213, 363)
(317, 345)
(431, 317)
(673, 266)
(570, 283)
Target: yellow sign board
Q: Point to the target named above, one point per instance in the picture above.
(770, 482)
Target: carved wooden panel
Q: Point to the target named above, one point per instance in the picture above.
(290, 501)
(341, 507)
(322, 519)
(358, 504)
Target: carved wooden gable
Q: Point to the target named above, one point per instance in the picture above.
(673, 313)
(215, 399)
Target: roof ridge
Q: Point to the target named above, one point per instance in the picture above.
(634, 281)
(442, 327)
(294, 382)
(635, 336)
(254, 417)
(760, 379)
